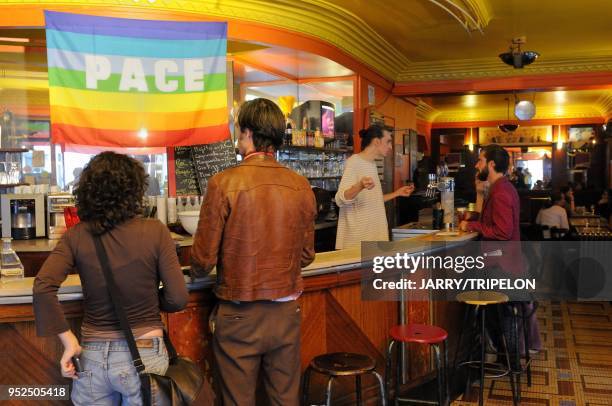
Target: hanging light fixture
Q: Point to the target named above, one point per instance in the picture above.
(508, 127)
(517, 58)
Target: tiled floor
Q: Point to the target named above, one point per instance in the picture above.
(575, 369)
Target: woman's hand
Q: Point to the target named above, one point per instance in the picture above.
(405, 191)
(367, 183)
(71, 348)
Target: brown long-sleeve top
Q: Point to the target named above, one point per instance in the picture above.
(141, 254)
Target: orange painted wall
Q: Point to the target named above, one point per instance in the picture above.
(424, 128)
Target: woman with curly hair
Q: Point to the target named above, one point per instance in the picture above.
(141, 253)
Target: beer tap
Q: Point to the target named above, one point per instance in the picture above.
(432, 186)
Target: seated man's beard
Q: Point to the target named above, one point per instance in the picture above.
(483, 174)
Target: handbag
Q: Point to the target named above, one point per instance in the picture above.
(183, 383)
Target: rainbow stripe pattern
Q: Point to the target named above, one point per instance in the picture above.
(136, 83)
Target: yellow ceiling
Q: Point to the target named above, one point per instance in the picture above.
(417, 40)
(490, 107)
(571, 36)
(405, 40)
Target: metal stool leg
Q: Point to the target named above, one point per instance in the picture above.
(483, 343)
(398, 372)
(445, 360)
(436, 349)
(505, 344)
(517, 352)
(328, 391)
(388, 366)
(466, 315)
(381, 385)
(526, 334)
(306, 386)
(358, 389)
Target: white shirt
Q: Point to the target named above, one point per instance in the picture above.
(554, 216)
(362, 218)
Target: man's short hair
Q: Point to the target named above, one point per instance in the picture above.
(265, 119)
(499, 156)
(556, 198)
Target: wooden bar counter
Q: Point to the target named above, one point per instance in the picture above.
(334, 319)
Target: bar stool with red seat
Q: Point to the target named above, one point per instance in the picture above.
(419, 334)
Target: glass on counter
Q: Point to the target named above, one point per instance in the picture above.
(11, 268)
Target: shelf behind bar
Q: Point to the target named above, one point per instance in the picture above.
(293, 148)
(8, 185)
(14, 150)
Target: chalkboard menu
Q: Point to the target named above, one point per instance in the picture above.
(209, 159)
(186, 180)
(195, 164)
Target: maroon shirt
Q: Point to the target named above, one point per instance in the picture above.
(500, 215)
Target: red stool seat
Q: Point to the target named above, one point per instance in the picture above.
(418, 333)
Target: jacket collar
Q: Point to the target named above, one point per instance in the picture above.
(494, 188)
(260, 160)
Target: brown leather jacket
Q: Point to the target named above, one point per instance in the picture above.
(257, 227)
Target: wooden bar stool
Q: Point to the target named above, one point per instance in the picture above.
(419, 334)
(342, 364)
(482, 299)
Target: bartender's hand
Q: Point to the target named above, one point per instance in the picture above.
(367, 182)
(463, 226)
(405, 191)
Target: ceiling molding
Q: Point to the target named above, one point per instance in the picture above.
(493, 67)
(425, 112)
(481, 9)
(349, 33)
(316, 18)
(605, 104)
(472, 15)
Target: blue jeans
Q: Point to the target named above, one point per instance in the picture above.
(109, 377)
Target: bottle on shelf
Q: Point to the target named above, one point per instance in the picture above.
(11, 268)
(288, 133)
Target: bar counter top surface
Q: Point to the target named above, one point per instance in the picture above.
(17, 292)
(47, 245)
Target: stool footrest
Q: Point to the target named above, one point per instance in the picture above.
(494, 370)
(424, 394)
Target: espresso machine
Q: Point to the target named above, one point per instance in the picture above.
(56, 203)
(23, 216)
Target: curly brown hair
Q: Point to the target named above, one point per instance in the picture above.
(110, 191)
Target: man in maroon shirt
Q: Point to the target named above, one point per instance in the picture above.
(499, 219)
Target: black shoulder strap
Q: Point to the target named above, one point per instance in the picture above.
(117, 304)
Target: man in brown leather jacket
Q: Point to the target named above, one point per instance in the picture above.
(257, 227)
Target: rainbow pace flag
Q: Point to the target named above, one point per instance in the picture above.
(136, 83)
